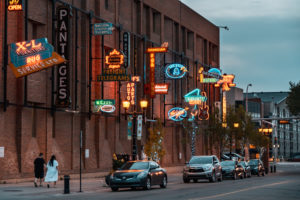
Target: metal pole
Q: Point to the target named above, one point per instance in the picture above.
(247, 97)
(134, 146)
(26, 38)
(80, 161)
(5, 59)
(53, 69)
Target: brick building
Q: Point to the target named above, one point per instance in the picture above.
(32, 119)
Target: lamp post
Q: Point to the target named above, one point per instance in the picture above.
(126, 105)
(249, 85)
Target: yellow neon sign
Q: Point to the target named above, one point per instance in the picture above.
(226, 82)
(114, 60)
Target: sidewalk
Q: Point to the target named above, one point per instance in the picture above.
(96, 175)
(91, 182)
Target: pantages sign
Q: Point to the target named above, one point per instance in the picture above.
(63, 71)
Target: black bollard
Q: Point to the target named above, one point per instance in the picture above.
(66, 184)
(274, 168)
(271, 169)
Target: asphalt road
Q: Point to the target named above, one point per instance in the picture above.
(285, 184)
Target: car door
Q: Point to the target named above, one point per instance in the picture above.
(154, 173)
(217, 166)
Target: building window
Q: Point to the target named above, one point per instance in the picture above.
(190, 40)
(106, 4)
(156, 22)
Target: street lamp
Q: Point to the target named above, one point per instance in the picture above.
(225, 27)
(236, 125)
(126, 105)
(249, 85)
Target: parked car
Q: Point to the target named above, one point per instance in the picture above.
(234, 156)
(257, 167)
(295, 158)
(202, 167)
(138, 174)
(247, 169)
(231, 168)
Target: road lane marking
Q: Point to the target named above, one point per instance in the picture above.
(242, 190)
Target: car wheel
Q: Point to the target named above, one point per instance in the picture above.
(245, 175)
(164, 182)
(234, 176)
(195, 180)
(148, 184)
(186, 180)
(114, 189)
(213, 177)
(263, 173)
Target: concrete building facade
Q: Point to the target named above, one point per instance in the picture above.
(31, 118)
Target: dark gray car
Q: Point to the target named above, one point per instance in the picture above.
(202, 167)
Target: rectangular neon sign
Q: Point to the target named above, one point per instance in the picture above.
(15, 5)
(157, 49)
(161, 88)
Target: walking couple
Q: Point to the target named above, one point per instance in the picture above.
(52, 170)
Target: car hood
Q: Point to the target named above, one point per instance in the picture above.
(227, 167)
(199, 165)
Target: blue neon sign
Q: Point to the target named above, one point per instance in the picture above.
(177, 114)
(175, 71)
(194, 97)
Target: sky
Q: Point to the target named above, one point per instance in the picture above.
(262, 46)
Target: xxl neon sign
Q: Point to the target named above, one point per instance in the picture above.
(175, 71)
(195, 98)
(177, 114)
(31, 56)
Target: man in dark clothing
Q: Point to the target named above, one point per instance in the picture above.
(39, 164)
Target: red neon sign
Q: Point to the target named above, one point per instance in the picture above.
(161, 88)
(157, 49)
(226, 82)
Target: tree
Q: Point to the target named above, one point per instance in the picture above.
(154, 147)
(293, 100)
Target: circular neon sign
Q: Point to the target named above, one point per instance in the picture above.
(108, 108)
(175, 71)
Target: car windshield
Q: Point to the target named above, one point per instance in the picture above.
(135, 165)
(201, 160)
(227, 163)
(253, 162)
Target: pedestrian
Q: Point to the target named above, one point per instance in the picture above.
(52, 171)
(39, 164)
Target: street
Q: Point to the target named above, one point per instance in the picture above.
(285, 184)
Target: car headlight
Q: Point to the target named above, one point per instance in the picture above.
(185, 168)
(142, 174)
(208, 168)
(111, 176)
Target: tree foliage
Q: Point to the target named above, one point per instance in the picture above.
(154, 147)
(293, 100)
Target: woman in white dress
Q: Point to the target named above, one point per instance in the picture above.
(52, 171)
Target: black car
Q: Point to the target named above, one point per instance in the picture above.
(247, 169)
(257, 167)
(231, 168)
(138, 174)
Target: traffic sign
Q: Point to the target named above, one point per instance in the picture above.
(103, 29)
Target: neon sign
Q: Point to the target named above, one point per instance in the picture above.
(131, 93)
(135, 78)
(108, 108)
(152, 52)
(161, 88)
(175, 71)
(115, 59)
(195, 98)
(203, 110)
(214, 73)
(226, 82)
(114, 75)
(31, 56)
(177, 114)
(104, 105)
(15, 5)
